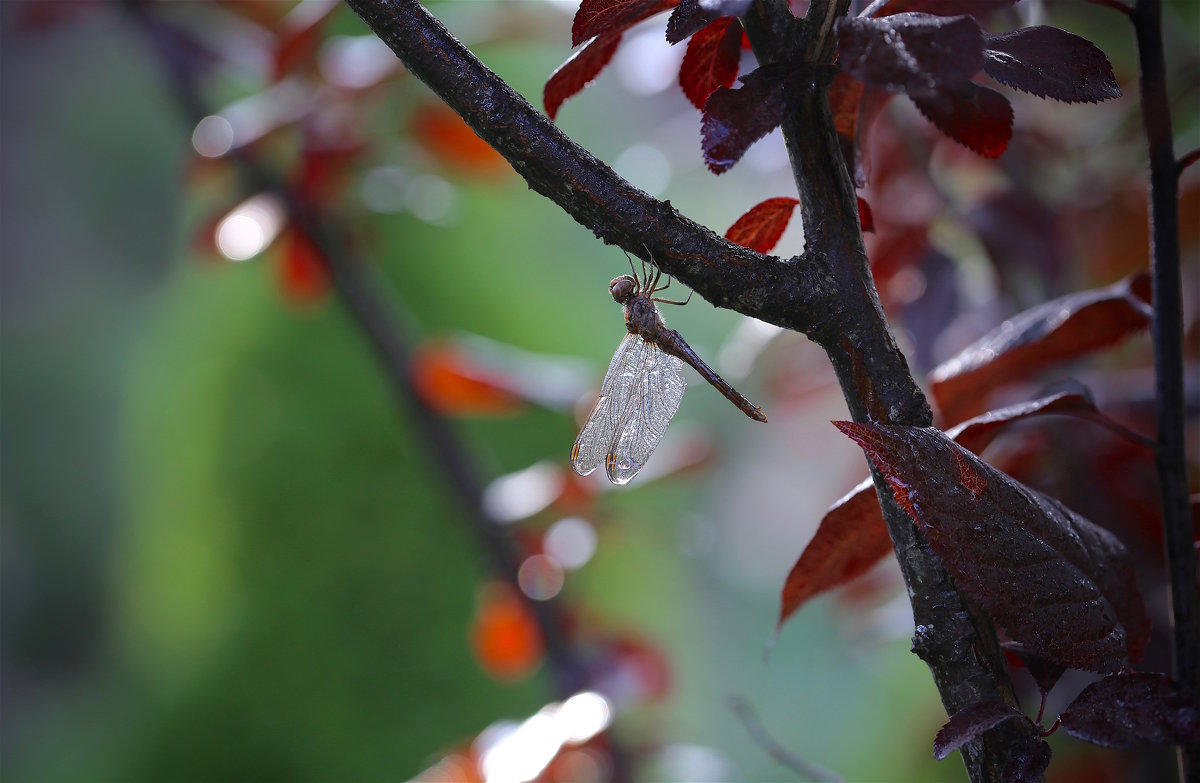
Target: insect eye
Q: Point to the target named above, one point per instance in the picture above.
(621, 288)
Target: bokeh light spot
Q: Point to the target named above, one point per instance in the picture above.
(523, 493)
(431, 199)
(645, 166)
(356, 61)
(646, 64)
(584, 715)
(571, 541)
(213, 136)
(540, 577)
(250, 227)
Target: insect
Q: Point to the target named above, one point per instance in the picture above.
(643, 386)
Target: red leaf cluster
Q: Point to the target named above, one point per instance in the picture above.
(1047, 334)
(852, 538)
(932, 57)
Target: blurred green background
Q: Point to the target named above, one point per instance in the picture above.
(226, 556)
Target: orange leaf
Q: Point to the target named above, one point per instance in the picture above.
(849, 542)
(763, 224)
(504, 636)
(845, 96)
(454, 143)
(449, 381)
(303, 271)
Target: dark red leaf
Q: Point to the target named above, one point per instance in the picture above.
(849, 542)
(980, 9)
(1124, 710)
(912, 53)
(687, 18)
(1045, 673)
(976, 433)
(1047, 334)
(1050, 63)
(735, 119)
(611, 17)
(578, 71)
(866, 220)
(971, 723)
(763, 224)
(1057, 584)
(852, 537)
(976, 117)
(711, 60)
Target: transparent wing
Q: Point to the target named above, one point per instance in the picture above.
(599, 431)
(656, 388)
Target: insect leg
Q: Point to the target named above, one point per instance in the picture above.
(672, 301)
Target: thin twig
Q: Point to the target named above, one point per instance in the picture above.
(1167, 334)
(1187, 160)
(746, 713)
(873, 9)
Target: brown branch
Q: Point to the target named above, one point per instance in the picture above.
(827, 293)
(955, 639)
(1167, 334)
(727, 275)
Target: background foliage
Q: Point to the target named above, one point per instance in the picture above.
(226, 557)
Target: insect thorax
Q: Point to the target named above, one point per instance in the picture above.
(642, 317)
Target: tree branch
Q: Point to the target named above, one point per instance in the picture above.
(955, 639)
(1167, 333)
(827, 293)
(727, 275)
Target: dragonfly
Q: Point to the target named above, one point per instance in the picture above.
(644, 384)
